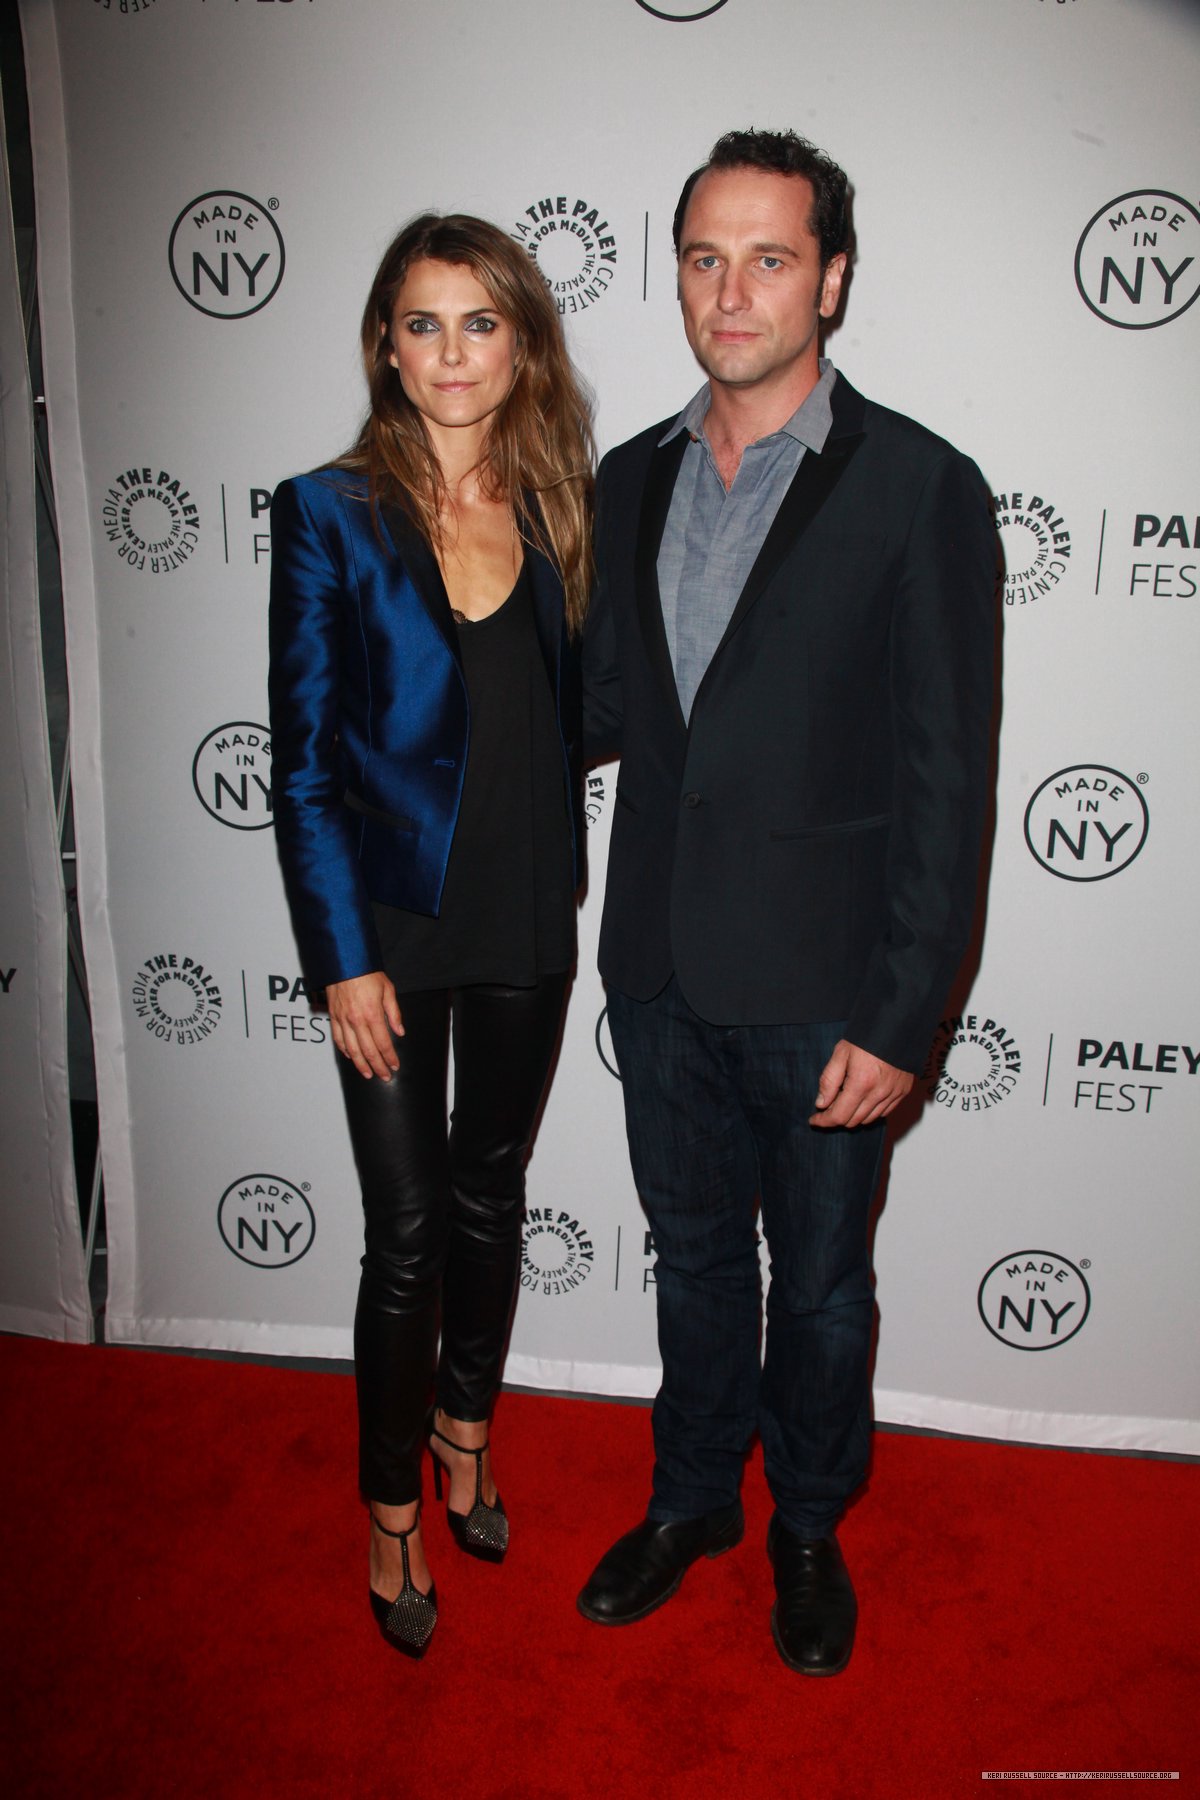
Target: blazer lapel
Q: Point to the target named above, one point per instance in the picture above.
(811, 487)
(421, 566)
(656, 504)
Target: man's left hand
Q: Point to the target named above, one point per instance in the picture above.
(856, 1088)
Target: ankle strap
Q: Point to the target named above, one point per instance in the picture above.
(463, 1449)
(386, 1530)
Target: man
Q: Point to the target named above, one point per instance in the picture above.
(790, 649)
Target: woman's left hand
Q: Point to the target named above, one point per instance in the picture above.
(364, 1014)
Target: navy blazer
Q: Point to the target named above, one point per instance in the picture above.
(805, 849)
(370, 719)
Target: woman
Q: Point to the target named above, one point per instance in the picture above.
(427, 592)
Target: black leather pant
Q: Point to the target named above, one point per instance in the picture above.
(443, 1212)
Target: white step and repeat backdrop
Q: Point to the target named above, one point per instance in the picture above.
(216, 181)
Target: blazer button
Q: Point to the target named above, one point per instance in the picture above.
(691, 799)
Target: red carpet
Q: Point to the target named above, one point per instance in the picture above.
(186, 1613)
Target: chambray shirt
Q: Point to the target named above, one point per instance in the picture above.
(712, 537)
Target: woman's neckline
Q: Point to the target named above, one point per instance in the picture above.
(463, 622)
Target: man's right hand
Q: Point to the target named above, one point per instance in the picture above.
(364, 1015)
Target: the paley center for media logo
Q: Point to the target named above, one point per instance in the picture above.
(557, 1252)
(1035, 543)
(176, 998)
(149, 516)
(573, 245)
(974, 1064)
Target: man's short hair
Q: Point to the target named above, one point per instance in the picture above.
(782, 153)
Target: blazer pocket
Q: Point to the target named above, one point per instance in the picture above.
(624, 800)
(397, 821)
(809, 831)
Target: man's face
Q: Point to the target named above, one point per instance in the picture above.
(750, 280)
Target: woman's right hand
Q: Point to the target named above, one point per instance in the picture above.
(364, 1014)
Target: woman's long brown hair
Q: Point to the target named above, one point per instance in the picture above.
(539, 446)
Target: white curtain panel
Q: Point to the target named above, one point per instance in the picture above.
(42, 1285)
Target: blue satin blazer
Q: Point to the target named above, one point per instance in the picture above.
(370, 720)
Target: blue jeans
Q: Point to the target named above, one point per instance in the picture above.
(717, 1115)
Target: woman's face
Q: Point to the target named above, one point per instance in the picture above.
(454, 352)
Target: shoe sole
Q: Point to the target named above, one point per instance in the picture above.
(596, 1618)
(806, 1668)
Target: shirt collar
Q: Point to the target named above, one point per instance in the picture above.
(810, 424)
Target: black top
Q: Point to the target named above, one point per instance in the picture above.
(508, 904)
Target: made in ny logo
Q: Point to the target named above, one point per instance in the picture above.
(1035, 542)
(176, 998)
(151, 520)
(973, 1065)
(681, 12)
(1034, 1300)
(556, 1252)
(604, 1045)
(231, 775)
(572, 246)
(226, 254)
(266, 1221)
(1087, 822)
(1137, 264)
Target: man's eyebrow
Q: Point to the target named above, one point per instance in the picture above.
(703, 246)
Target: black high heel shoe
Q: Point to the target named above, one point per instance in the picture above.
(406, 1622)
(482, 1532)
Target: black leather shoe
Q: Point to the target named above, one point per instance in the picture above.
(815, 1611)
(646, 1566)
